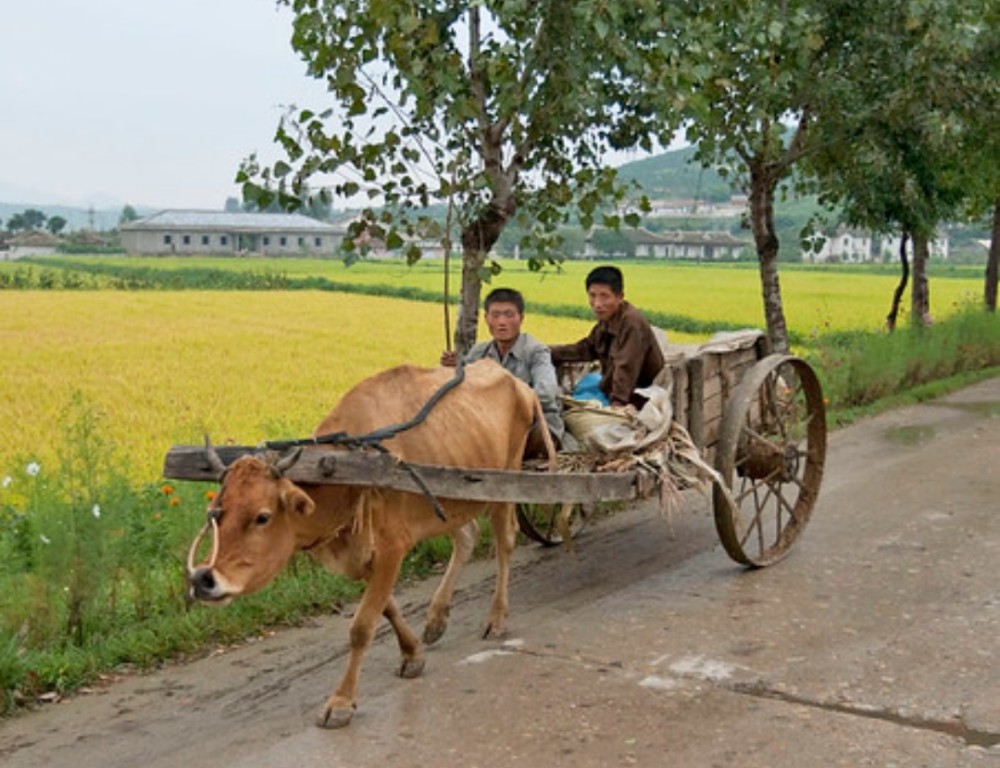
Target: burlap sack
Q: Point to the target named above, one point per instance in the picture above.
(611, 430)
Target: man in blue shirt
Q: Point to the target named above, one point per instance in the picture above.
(521, 354)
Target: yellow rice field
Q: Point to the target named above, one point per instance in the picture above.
(166, 367)
(815, 299)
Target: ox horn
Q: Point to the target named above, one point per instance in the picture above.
(287, 462)
(212, 457)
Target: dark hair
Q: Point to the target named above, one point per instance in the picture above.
(609, 276)
(505, 295)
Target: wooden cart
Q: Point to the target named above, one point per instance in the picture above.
(758, 419)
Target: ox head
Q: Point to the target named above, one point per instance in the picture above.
(254, 521)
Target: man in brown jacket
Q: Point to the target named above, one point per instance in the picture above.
(622, 340)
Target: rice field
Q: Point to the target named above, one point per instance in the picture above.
(816, 299)
(164, 367)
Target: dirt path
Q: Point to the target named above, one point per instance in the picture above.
(877, 642)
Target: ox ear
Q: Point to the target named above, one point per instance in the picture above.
(294, 499)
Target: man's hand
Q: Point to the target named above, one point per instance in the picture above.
(448, 358)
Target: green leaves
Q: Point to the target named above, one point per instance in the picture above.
(488, 108)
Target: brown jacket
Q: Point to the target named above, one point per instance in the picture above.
(629, 353)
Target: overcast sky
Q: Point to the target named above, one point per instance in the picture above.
(108, 102)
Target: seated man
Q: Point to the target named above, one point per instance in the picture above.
(623, 340)
(521, 354)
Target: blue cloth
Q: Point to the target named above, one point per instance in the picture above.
(588, 388)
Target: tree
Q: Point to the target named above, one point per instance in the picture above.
(16, 223)
(897, 156)
(128, 214)
(491, 109)
(983, 117)
(56, 224)
(33, 218)
(762, 68)
(27, 220)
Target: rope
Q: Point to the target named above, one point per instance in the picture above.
(374, 439)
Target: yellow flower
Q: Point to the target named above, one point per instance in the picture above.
(166, 489)
(210, 495)
(174, 501)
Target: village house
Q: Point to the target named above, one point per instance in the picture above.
(35, 243)
(692, 208)
(190, 233)
(888, 247)
(679, 244)
(844, 246)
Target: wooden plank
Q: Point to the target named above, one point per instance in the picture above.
(372, 469)
(696, 382)
(678, 379)
(712, 409)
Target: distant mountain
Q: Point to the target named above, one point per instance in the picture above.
(673, 175)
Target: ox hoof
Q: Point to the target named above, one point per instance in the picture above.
(434, 632)
(335, 717)
(411, 668)
(494, 631)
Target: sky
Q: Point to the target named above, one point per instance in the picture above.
(153, 104)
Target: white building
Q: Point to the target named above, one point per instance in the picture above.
(189, 233)
(679, 244)
(888, 248)
(845, 246)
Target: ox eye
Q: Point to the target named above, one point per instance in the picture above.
(262, 519)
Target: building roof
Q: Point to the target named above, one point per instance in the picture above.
(36, 238)
(233, 222)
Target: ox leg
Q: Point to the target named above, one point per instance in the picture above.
(339, 708)
(411, 651)
(505, 534)
(463, 542)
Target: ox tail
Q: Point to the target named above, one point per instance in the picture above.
(550, 446)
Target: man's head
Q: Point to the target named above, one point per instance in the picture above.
(504, 312)
(605, 291)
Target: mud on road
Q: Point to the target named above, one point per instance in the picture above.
(875, 643)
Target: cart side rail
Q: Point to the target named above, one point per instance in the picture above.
(379, 470)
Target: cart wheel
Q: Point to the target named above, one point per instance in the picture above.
(770, 454)
(543, 522)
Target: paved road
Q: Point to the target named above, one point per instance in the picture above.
(876, 643)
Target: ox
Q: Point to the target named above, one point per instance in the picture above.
(260, 519)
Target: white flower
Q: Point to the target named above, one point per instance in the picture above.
(45, 539)
(33, 468)
(96, 511)
(7, 481)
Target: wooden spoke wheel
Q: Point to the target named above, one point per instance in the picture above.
(551, 524)
(771, 451)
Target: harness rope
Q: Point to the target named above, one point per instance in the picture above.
(352, 442)
(374, 439)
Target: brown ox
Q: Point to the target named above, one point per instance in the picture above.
(263, 519)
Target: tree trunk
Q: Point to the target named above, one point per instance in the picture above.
(897, 295)
(478, 238)
(990, 294)
(766, 240)
(920, 294)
